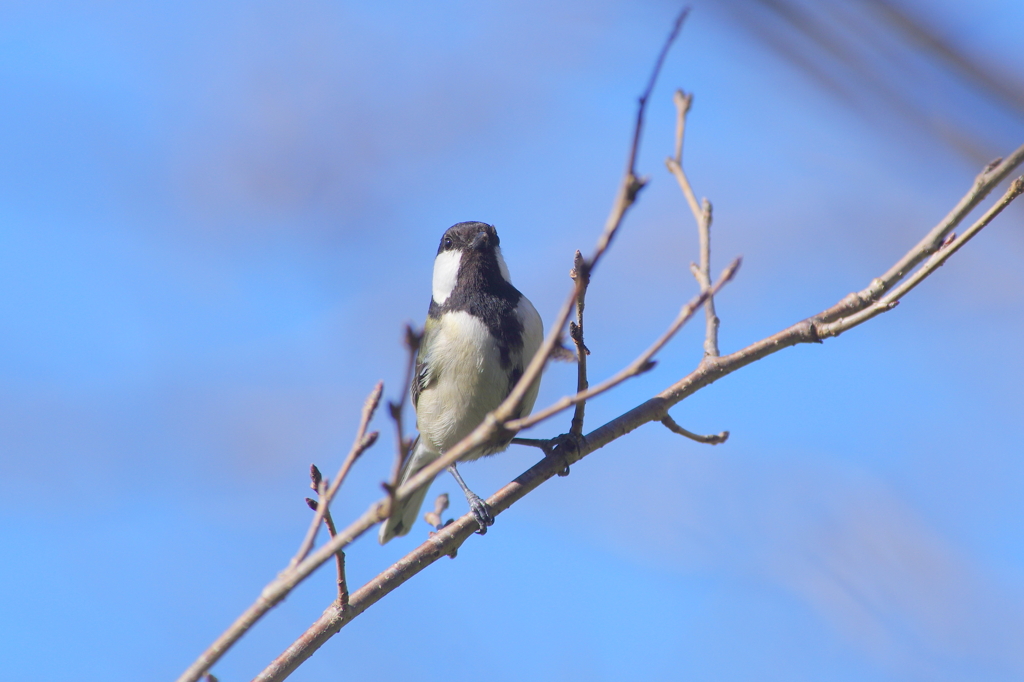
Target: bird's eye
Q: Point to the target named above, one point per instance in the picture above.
(447, 243)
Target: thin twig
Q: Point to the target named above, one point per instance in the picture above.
(673, 34)
(711, 439)
(702, 216)
(641, 364)
(434, 517)
(402, 444)
(812, 329)
(683, 102)
(710, 316)
(990, 177)
(361, 444)
(631, 184)
(940, 256)
(318, 484)
(581, 276)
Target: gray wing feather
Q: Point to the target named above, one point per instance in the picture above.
(422, 374)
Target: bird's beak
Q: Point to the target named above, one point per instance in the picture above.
(479, 240)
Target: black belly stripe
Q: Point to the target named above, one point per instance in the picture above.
(481, 291)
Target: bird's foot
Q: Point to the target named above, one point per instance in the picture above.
(564, 446)
(481, 512)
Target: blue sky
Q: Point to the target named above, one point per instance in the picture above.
(214, 222)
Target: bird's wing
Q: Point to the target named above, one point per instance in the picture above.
(533, 335)
(424, 373)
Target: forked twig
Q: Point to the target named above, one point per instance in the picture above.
(434, 517)
(990, 177)
(641, 364)
(945, 249)
(362, 443)
(702, 215)
(318, 484)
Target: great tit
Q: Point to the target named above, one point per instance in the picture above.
(479, 336)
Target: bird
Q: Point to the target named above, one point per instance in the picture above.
(479, 336)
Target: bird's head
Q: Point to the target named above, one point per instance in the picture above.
(468, 257)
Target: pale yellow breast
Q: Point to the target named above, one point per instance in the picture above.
(469, 382)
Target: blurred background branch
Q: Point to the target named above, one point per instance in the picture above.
(899, 63)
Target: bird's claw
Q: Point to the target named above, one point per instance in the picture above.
(562, 446)
(481, 512)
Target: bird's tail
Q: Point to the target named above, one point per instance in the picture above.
(403, 516)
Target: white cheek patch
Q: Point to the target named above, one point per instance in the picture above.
(501, 265)
(446, 274)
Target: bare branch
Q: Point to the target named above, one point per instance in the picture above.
(579, 272)
(631, 184)
(280, 587)
(946, 249)
(320, 486)
(640, 365)
(713, 439)
(434, 517)
(361, 444)
(444, 542)
(989, 178)
(683, 102)
(702, 215)
(403, 445)
(710, 316)
(810, 330)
